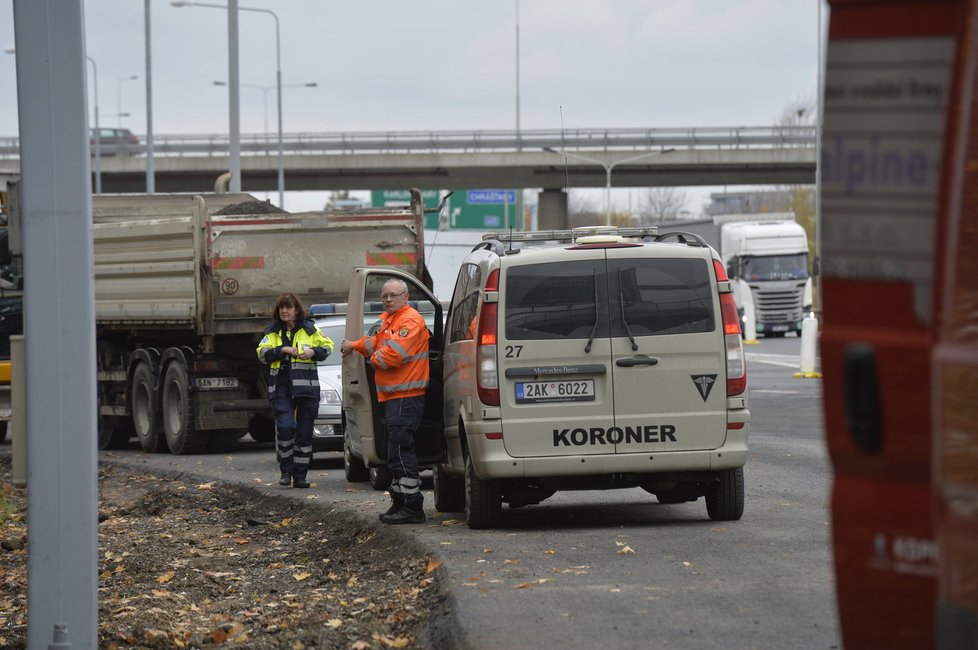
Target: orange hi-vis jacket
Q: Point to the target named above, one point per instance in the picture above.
(399, 354)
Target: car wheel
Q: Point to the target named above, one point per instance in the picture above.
(725, 500)
(483, 500)
(449, 491)
(380, 477)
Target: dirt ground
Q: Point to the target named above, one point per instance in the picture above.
(189, 565)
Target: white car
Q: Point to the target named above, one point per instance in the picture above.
(327, 431)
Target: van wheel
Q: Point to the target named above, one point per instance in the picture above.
(725, 500)
(145, 410)
(449, 491)
(380, 477)
(353, 467)
(483, 500)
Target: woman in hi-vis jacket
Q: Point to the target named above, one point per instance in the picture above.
(291, 346)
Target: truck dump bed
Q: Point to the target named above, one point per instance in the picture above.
(173, 264)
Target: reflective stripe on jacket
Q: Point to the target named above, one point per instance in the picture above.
(399, 354)
(303, 374)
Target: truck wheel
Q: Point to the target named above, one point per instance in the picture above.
(725, 500)
(262, 428)
(449, 491)
(178, 420)
(145, 411)
(483, 500)
(380, 477)
(353, 467)
(113, 432)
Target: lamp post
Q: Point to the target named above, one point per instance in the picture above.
(278, 81)
(118, 97)
(264, 91)
(607, 168)
(10, 49)
(98, 134)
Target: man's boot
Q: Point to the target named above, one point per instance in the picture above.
(406, 515)
(285, 479)
(300, 482)
(397, 502)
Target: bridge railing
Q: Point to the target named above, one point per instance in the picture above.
(480, 141)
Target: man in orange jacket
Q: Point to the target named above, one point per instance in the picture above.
(398, 353)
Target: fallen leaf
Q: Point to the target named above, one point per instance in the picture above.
(165, 578)
(452, 522)
(523, 585)
(360, 645)
(488, 550)
(206, 486)
(301, 576)
(625, 549)
(398, 642)
(334, 623)
(432, 565)
(550, 551)
(241, 540)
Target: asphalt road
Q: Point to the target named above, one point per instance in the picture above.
(617, 569)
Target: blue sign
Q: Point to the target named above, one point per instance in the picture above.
(492, 197)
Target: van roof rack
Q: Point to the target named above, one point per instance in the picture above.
(570, 236)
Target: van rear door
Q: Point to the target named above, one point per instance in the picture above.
(667, 348)
(553, 352)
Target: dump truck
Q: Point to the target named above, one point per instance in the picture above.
(185, 286)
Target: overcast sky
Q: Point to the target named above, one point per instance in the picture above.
(451, 64)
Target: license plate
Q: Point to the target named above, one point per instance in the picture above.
(577, 390)
(215, 383)
(779, 328)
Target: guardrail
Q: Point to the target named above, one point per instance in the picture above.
(485, 141)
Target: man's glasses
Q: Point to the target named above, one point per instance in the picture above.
(391, 296)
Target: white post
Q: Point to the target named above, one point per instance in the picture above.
(809, 344)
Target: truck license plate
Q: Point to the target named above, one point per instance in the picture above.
(779, 328)
(216, 383)
(577, 390)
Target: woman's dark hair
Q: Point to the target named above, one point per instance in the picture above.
(289, 299)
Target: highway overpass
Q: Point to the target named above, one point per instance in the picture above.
(467, 159)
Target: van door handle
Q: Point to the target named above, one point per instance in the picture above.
(640, 360)
(861, 389)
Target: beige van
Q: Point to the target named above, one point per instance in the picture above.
(590, 359)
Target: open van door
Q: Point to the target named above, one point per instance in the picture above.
(365, 428)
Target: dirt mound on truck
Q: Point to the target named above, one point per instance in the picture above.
(251, 207)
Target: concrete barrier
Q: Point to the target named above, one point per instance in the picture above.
(18, 402)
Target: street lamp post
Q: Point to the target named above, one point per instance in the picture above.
(98, 134)
(10, 49)
(118, 97)
(607, 168)
(278, 81)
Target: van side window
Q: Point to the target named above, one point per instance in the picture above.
(465, 302)
(556, 300)
(660, 296)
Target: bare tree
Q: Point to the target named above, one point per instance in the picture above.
(660, 204)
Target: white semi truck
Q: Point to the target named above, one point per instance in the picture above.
(766, 256)
(185, 285)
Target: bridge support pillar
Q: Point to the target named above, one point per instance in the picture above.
(552, 210)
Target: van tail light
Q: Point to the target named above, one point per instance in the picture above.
(488, 378)
(736, 363)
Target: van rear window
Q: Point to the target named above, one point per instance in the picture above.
(573, 299)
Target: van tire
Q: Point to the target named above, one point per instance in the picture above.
(449, 490)
(483, 500)
(725, 499)
(380, 477)
(353, 467)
